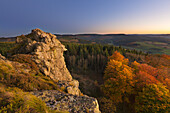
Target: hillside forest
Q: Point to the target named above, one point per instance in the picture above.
(128, 80)
(123, 80)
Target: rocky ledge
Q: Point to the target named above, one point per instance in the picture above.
(67, 102)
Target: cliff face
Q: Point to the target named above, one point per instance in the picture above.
(47, 54)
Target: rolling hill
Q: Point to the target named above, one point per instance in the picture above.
(149, 43)
(154, 44)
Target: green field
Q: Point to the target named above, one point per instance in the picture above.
(153, 47)
(146, 43)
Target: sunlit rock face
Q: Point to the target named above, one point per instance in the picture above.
(47, 52)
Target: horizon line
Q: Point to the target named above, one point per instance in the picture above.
(96, 34)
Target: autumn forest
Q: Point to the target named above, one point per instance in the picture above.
(122, 80)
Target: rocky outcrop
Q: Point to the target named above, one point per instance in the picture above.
(46, 52)
(67, 102)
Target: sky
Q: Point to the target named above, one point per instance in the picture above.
(85, 16)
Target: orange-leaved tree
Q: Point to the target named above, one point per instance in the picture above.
(151, 95)
(136, 87)
(146, 74)
(118, 79)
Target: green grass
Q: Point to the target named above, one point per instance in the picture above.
(14, 100)
(154, 48)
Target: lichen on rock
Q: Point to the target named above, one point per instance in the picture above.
(68, 102)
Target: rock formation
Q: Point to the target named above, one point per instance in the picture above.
(47, 53)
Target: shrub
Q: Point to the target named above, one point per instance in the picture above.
(25, 58)
(15, 100)
(5, 47)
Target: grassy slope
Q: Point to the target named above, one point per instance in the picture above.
(14, 100)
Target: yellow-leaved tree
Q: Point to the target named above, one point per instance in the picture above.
(154, 98)
(118, 79)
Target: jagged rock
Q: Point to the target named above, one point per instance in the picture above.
(68, 102)
(48, 53)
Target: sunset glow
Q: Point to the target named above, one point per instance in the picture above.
(88, 16)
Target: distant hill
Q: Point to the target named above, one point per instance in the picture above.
(8, 39)
(151, 43)
(158, 35)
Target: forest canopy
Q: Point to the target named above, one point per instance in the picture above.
(136, 87)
